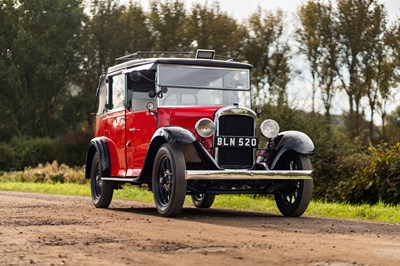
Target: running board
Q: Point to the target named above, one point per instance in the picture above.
(248, 174)
(119, 179)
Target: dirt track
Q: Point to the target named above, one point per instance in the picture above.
(40, 229)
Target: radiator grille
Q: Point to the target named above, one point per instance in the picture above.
(236, 125)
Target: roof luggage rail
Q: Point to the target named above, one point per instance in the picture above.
(200, 53)
(148, 54)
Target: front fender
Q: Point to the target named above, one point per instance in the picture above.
(292, 141)
(182, 138)
(175, 135)
(172, 135)
(187, 142)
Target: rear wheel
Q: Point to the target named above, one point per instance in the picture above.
(293, 198)
(102, 191)
(168, 183)
(203, 201)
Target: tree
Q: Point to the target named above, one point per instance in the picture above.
(110, 32)
(380, 66)
(102, 34)
(43, 40)
(319, 43)
(356, 29)
(392, 122)
(135, 31)
(388, 66)
(266, 48)
(351, 43)
(168, 21)
(209, 28)
(8, 31)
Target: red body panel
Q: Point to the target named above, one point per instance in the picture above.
(112, 127)
(140, 127)
(129, 133)
(187, 117)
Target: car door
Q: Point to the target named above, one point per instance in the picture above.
(114, 120)
(140, 126)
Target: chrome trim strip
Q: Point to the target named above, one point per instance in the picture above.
(118, 179)
(239, 110)
(247, 174)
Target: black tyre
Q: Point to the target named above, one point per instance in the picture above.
(168, 183)
(293, 198)
(101, 190)
(203, 201)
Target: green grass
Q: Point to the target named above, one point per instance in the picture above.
(378, 213)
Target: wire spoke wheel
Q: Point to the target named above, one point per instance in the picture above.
(203, 200)
(294, 196)
(98, 182)
(165, 180)
(102, 191)
(168, 182)
(290, 194)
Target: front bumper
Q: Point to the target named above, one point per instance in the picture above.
(248, 175)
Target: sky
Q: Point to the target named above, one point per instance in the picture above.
(242, 9)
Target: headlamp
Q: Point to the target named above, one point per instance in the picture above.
(205, 127)
(269, 128)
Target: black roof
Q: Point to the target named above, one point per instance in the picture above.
(179, 61)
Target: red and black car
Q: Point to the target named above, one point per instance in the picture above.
(184, 126)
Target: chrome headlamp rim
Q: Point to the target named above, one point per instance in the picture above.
(269, 128)
(205, 123)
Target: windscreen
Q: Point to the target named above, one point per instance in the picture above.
(192, 85)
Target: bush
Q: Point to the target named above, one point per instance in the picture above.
(32, 151)
(47, 173)
(7, 158)
(334, 163)
(73, 146)
(374, 177)
(369, 176)
(22, 152)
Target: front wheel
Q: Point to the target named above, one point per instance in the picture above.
(168, 182)
(203, 201)
(293, 198)
(101, 190)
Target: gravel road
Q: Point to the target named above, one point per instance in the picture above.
(37, 229)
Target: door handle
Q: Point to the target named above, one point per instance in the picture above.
(132, 129)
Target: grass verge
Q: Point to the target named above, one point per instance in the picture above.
(377, 213)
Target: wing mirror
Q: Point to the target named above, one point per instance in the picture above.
(135, 75)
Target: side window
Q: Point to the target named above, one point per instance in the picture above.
(118, 91)
(140, 100)
(139, 90)
(102, 94)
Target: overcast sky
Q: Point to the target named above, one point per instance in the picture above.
(241, 9)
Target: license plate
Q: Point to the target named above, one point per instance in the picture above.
(238, 142)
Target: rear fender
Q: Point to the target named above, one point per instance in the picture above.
(107, 155)
(292, 141)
